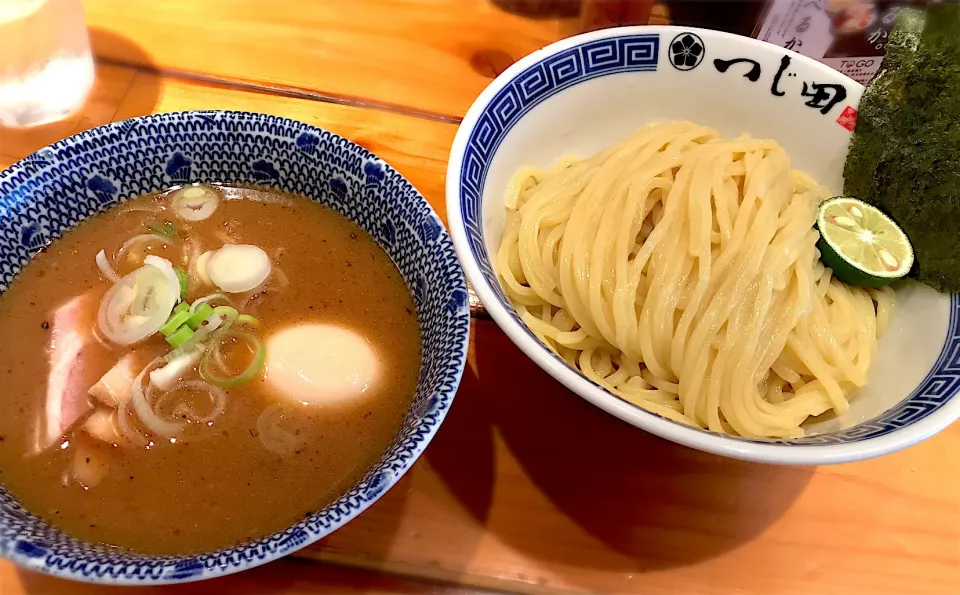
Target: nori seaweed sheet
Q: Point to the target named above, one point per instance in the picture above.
(905, 153)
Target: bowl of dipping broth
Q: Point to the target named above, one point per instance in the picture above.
(226, 334)
(637, 209)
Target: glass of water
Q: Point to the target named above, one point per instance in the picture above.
(46, 69)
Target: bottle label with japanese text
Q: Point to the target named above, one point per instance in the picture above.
(848, 35)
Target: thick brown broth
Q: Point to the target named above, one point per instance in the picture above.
(216, 486)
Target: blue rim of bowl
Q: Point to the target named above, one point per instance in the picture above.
(129, 568)
(562, 65)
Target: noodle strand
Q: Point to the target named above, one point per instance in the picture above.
(680, 271)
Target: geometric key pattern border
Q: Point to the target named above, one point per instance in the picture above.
(527, 90)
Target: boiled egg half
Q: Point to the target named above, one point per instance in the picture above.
(320, 364)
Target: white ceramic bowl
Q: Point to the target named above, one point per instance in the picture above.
(585, 93)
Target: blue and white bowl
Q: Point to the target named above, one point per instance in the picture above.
(585, 93)
(54, 189)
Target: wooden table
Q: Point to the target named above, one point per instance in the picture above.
(526, 488)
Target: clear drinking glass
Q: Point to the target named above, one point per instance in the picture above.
(46, 69)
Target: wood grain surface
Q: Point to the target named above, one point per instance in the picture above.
(284, 577)
(525, 482)
(417, 147)
(426, 56)
(110, 87)
(526, 487)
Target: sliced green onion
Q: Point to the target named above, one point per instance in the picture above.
(202, 312)
(165, 377)
(228, 312)
(195, 203)
(184, 280)
(259, 357)
(106, 268)
(209, 299)
(166, 230)
(180, 336)
(174, 323)
(137, 306)
(182, 307)
(144, 237)
(211, 324)
(248, 320)
(238, 268)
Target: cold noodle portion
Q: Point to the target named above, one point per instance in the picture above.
(680, 271)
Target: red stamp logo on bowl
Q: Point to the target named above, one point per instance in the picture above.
(848, 119)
